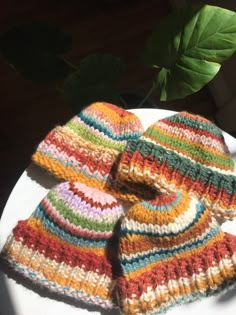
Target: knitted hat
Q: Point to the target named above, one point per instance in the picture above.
(63, 246)
(172, 251)
(184, 151)
(87, 147)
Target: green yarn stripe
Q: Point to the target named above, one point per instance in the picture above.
(185, 166)
(86, 134)
(208, 156)
(187, 121)
(76, 219)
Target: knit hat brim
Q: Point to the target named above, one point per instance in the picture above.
(178, 281)
(151, 164)
(70, 157)
(87, 148)
(53, 270)
(172, 251)
(67, 243)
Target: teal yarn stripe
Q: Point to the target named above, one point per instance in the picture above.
(188, 121)
(66, 163)
(184, 166)
(163, 208)
(38, 278)
(76, 219)
(144, 260)
(189, 148)
(51, 226)
(97, 124)
(200, 208)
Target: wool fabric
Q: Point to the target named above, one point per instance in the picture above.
(183, 151)
(87, 147)
(64, 245)
(172, 251)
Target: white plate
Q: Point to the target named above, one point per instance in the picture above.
(32, 186)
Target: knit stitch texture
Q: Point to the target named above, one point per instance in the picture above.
(86, 149)
(184, 151)
(172, 251)
(64, 245)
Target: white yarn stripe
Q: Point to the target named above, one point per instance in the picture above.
(68, 225)
(74, 163)
(54, 287)
(15, 250)
(77, 120)
(174, 227)
(57, 153)
(109, 216)
(139, 254)
(219, 170)
(151, 295)
(192, 136)
(74, 140)
(228, 212)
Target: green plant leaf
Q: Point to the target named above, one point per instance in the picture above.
(34, 50)
(190, 45)
(94, 81)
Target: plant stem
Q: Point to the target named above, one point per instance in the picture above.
(123, 102)
(70, 64)
(147, 95)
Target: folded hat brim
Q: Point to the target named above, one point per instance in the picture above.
(66, 270)
(147, 163)
(74, 158)
(163, 284)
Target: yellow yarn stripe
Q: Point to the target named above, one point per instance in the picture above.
(55, 272)
(37, 225)
(137, 273)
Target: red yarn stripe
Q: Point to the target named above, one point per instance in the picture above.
(60, 251)
(186, 180)
(90, 201)
(177, 268)
(196, 131)
(83, 159)
(153, 242)
(78, 232)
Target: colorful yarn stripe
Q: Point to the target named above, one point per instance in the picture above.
(64, 290)
(68, 243)
(186, 152)
(195, 122)
(168, 170)
(191, 149)
(87, 148)
(173, 253)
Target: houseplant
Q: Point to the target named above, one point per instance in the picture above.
(186, 50)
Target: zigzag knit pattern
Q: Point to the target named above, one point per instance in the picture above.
(64, 245)
(87, 147)
(184, 151)
(172, 252)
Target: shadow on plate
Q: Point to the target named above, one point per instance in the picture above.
(7, 307)
(41, 176)
(43, 292)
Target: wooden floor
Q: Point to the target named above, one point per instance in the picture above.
(29, 110)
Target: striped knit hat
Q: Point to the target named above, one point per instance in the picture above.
(184, 151)
(87, 147)
(67, 244)
(172, 251)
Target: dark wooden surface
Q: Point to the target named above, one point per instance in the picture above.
(29, 110)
